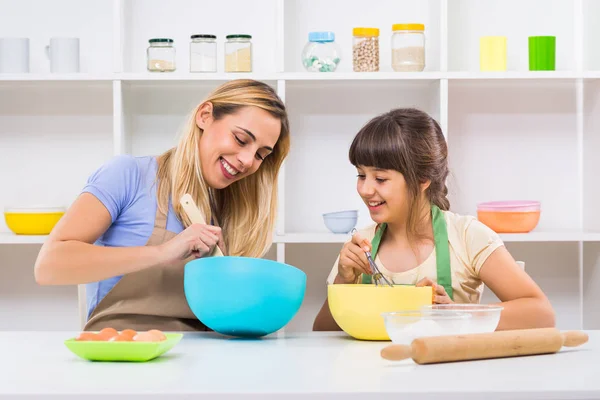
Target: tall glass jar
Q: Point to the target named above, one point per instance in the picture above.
(203, 53)
(365, 49)
(408, 47)
(238, 53)
(321, 53)
(160, 55)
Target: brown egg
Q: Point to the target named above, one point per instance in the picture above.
(145, 337)
(88, 336)
(129, 332)
(158, 334)
(107, 333)
(121, 338)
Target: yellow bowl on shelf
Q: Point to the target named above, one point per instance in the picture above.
(358, 309)
(32, 221)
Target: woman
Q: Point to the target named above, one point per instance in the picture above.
(402, 162)
(127, 237)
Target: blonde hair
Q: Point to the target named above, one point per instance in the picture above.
(246, 209)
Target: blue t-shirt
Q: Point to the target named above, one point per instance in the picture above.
(126, 185)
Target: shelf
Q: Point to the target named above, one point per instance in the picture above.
(299, 76)
(324, 237)
(351, 76)
(591, 74)
(11, 238)
(33, 77)
(530, 75)
(321, 237)
(551, 237)
(189, 76)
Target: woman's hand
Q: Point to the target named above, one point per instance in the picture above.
(439, 293)
(353, 261)
(197, 240)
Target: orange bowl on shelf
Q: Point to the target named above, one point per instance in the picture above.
(509, 216)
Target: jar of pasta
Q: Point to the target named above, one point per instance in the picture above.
(160, 55)
(238, 53)
(203, 53)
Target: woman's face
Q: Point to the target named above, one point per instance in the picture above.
(236, 145)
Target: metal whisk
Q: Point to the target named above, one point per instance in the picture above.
(377, 276)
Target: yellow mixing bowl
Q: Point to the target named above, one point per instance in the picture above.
(357, 309)
(32, 221)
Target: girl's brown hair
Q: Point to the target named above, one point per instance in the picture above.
(411, 142)
(247, 209)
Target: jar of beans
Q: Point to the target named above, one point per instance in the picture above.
(365, 49)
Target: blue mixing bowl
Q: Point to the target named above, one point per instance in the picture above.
(241, 296)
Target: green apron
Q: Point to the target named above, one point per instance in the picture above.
(442, 251)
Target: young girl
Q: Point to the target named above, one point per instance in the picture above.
(401, 160)
(127, 237)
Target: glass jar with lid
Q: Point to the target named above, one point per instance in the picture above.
(238, 53)
(203, 53)
(365, 49)
(408, 47)
(160, 55)
(321, 53)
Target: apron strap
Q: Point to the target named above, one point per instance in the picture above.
(160, 219)
(442, 250)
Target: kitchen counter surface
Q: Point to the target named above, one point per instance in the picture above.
(294, 365)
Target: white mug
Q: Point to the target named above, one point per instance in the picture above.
(63, 54)
(14, 55)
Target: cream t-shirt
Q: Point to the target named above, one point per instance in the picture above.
(470, 244)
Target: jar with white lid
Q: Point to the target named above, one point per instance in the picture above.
(238, 53)
(408, 47)
(203, 53)
(321, 53)
(161, 55)
(365, 49)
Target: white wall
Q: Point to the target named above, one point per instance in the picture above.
(511, 136)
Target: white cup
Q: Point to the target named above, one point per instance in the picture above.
(14, 55)
(63, 54)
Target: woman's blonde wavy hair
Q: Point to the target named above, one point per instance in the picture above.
(246, 209)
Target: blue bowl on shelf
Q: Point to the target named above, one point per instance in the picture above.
(242, 296)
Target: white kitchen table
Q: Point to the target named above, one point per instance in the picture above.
(295, 366)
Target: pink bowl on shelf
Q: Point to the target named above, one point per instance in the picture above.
(510, 216)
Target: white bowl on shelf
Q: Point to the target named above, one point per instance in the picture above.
(341, 221)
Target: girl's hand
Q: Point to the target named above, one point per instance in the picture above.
(439, 293)
(353, 261)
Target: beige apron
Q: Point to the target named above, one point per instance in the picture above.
(152, 298)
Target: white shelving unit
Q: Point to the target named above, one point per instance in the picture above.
(512, 135)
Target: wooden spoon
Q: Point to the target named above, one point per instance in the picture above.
(438, 349)
(196, 216)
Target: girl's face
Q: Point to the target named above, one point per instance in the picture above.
(384, 192)
(236, 145)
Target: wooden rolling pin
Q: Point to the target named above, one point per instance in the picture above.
(440, 349)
